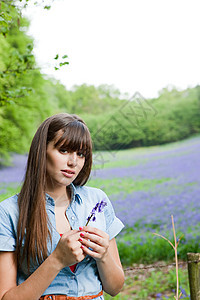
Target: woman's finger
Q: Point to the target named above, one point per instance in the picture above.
(93, 238)
(96, 252)
(93, 230)
(89, 244)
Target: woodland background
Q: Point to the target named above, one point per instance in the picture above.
(27, 97)
(146, 152)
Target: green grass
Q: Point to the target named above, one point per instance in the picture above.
(110, 162)
(153, 283)
(8, 191)
(126, 185)
(148, 248)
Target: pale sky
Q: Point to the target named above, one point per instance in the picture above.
(136, 45)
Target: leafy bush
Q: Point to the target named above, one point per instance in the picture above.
(166, 119)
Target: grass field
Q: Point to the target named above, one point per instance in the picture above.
(146, 186)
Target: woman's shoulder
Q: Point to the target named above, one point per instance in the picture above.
(10, 204)
(90, 191)
(92, 195)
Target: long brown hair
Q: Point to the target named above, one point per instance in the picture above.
(33, 224)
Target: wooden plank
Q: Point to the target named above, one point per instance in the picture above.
(194, 275)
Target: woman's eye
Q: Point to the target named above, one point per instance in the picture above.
(80, 154)
(64, 151)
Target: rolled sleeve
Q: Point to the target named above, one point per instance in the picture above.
(113, 224)
(7, 236)
(115, 228)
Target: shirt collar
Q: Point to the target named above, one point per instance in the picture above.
(75, 196)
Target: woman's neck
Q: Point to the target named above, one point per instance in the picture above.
(60, 195)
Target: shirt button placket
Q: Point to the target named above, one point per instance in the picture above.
(71, 217)
(73, 221)
(73, 284)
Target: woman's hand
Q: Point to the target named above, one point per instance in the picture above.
(95, 242)
(68, 250)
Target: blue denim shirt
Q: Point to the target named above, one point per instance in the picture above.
(85, 280)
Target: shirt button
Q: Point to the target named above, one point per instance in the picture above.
(72, 217)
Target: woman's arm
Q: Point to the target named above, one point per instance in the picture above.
(8, 272)
(33, 287)
(111, 271)
(106, 254)
(67, 252)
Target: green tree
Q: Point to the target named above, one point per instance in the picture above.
(88, 99)
(23, 99)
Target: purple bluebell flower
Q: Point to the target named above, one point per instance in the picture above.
(98, 208)
(101, 206)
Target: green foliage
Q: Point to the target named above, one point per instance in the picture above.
(23, 100)
(59, 98)
(16, 60)
(8, 191)
(134, 248)
(153, 283)
(171, 117)
(158, 283)
(60, 63)
(178, 117)
(9, 16)
(26, 98)
(89, 101)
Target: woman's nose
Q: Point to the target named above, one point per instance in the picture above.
(72, 159)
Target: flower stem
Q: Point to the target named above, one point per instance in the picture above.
(175, 246)
(176, 258)
(90, 217)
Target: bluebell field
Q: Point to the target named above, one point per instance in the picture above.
(146, 186)
(153, 184)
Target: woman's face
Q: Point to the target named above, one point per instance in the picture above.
(62, 166)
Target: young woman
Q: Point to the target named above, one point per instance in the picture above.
(46, 251)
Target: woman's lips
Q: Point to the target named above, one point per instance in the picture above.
(68, 173)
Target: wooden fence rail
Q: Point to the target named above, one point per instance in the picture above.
(194, 275)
